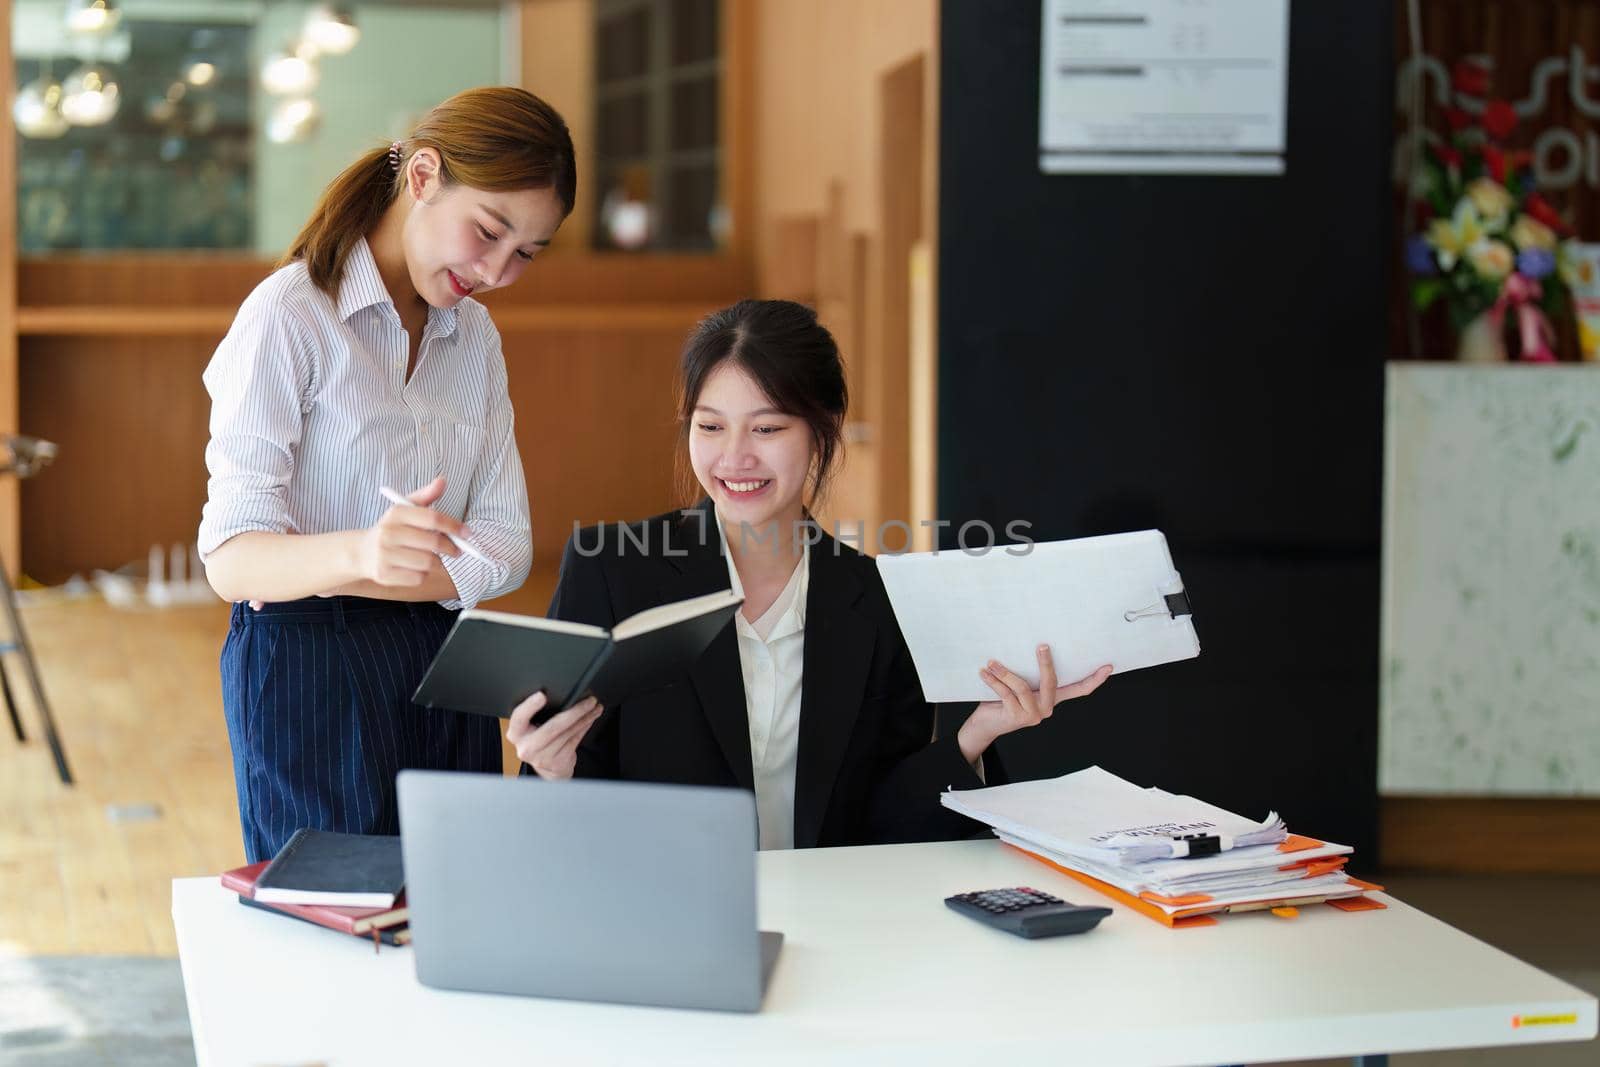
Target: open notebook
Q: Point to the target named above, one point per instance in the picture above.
(493, 660)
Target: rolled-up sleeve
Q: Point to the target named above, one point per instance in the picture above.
(497, 506)
(260, 380)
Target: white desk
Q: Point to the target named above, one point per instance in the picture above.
(876, 970)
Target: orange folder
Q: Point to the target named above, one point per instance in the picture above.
(1200, 914)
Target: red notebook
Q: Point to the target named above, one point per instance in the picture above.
(358, 921)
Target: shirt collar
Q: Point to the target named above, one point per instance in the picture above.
(792, 601)
(362, 287)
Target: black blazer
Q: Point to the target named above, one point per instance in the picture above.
(867, 770)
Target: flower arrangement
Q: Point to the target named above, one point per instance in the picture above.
(1489, 243)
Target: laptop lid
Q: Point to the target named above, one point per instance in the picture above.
(626, 892)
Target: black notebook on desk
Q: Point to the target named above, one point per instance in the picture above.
(492, 660)
(345, 870)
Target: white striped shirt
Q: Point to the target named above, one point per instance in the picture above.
(311, 413)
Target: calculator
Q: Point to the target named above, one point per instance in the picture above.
(1027, 912)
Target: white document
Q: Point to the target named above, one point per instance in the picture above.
(1163, 86)
(1094, 600)
(1177, 877)
(1099, 817)
(1297, 889)
(1238, 862)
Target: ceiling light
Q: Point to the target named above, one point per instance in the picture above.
(93, 16)
(287, 74)
(293, 120)
(89, 96)
(200, 73)
(333, 30)
(38, 110)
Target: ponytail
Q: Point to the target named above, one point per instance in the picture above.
(348, 210)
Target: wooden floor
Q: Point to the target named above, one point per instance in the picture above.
(138, 702)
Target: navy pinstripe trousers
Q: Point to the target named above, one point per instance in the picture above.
(317, 695)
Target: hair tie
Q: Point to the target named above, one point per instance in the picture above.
(394, 156)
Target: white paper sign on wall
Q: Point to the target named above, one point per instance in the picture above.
(1163, 86)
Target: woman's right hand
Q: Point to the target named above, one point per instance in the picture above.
(401, 547)
(551, 748)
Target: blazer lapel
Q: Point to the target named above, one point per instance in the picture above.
(838, 655)
(697, 567)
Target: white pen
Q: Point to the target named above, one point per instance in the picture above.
(460, 542)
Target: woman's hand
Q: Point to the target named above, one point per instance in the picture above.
(551, 749)
(1019, 706)
(400, 548)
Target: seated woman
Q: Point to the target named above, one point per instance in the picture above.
(810, 699)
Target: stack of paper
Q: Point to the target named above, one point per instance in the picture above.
(1174, 858)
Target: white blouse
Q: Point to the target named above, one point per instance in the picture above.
(772, 659)
(311, 413)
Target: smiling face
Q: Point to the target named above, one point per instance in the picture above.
(459, 241)
(753, 460)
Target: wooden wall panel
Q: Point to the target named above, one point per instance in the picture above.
(1490, 835)
(847, 134)
(9, 528)
(594, 425)
(902, 180)
(558, 66)
(136, 280)
(130, 418)
(557, 278)
(818, 66)
(741, 192)
(597, 435)
(793, 275)
(113, 348)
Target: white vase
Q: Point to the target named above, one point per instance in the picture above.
(1481, 341)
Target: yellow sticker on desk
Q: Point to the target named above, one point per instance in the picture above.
(1519, 1021)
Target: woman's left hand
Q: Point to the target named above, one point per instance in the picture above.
(1019, 705)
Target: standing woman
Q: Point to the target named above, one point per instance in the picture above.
(363, 363)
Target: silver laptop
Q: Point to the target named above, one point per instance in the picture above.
(587, 890)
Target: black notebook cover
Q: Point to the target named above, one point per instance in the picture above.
(319, 866)
(491, 662)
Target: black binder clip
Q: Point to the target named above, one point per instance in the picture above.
(1173, 605)
(1200, 845)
